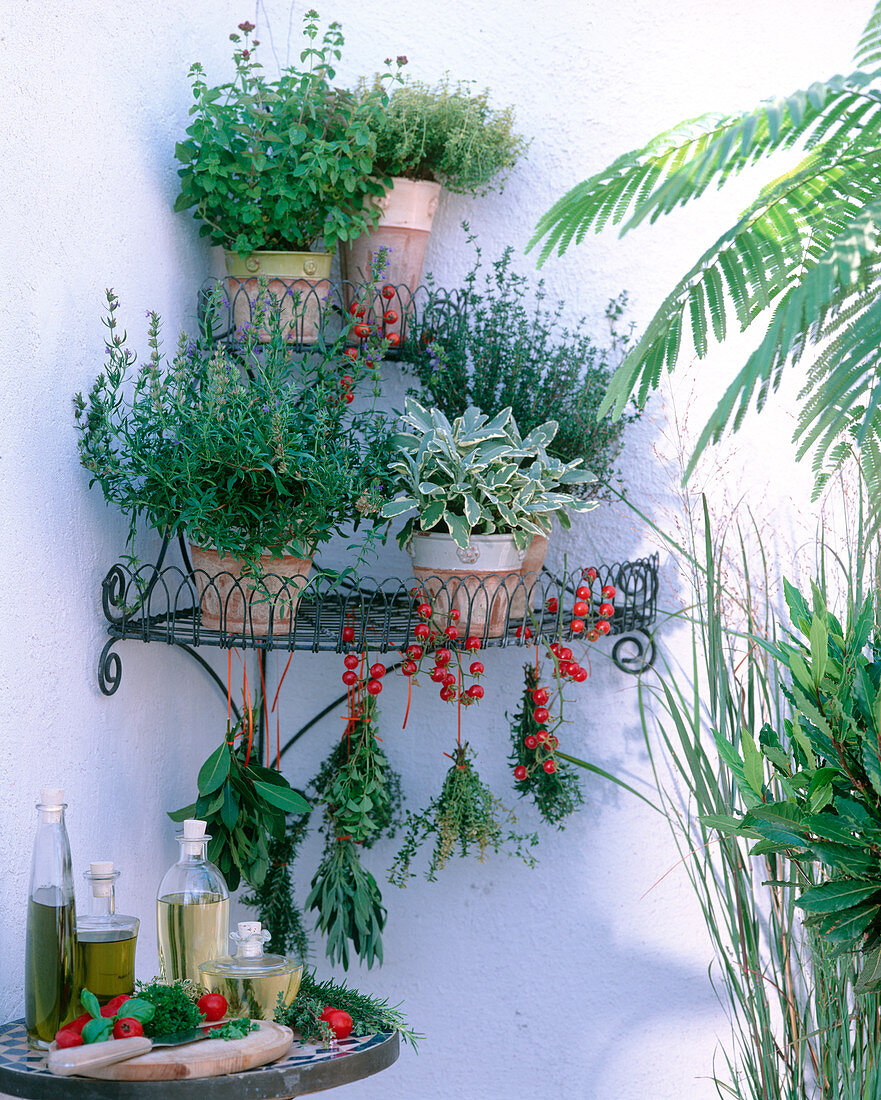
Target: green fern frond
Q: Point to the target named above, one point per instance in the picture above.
(868, 51)
(679, 165)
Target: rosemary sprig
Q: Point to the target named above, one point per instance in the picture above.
(369, 1014)
(274, 899)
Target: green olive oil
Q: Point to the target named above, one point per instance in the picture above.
(50, 966)
(107, 963)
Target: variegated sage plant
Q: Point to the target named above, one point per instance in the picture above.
(477, 475)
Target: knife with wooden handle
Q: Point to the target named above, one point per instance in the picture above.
(70, 1060)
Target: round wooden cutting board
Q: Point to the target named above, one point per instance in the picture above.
(205, 1058)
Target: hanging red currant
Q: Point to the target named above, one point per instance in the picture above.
(351, 660)
(530, 741)
(476, 668)
(472, 642)
(377, 671)
(579, 674)
(475, 691)
(374, 687)
(350, 678)
(549, 766)
(541, 715)
(540, 696)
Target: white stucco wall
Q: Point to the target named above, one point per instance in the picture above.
(562, 982)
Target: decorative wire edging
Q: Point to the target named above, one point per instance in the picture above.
(312, 307)
(171, 605)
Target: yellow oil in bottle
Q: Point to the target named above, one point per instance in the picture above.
(107, 963)
(257, 996)
(191, 931)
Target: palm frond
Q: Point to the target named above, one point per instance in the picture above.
(680, 164)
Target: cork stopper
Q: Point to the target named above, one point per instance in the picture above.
(51, 805)
(250, 939)
(194, 836)
(102, 877)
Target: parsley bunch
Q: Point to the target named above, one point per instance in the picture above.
(176, 1011)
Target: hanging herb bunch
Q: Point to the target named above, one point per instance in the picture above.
(539, 769)
(362, 799)
(464, 816)
(274, 898)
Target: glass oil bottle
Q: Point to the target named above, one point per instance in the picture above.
(192, 908)
(106, 940)
(251, 981)
(50, 940)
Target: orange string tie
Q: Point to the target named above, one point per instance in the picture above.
(265, 704)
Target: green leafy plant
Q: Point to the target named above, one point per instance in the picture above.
(247, 448)
(466, 815)
(369, 1014)
(807, 246)
(446, 132)
(274, 897)
(176, 1009)
(555, 790)
(361, 796)
(503, 346)
(479, 476)
(281, 164)
(245, 806)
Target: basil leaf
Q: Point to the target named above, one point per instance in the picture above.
(138, 1009)
(97, 1030)
(90, 1004)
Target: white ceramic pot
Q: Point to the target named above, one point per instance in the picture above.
(482, 581)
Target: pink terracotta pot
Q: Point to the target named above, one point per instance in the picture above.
(236, 604)
(404, 226)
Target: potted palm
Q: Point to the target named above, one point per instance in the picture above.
(427, 137)
(279, 171)
(251, 452)
(480, 492)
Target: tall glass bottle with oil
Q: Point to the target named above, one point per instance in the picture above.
(50, 940)
(192, 908)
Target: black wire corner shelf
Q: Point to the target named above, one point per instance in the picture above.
(190, 609)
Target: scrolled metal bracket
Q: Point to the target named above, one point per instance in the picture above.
(109, 668)
(642, 652)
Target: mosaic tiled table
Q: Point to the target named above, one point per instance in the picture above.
(306, 1068)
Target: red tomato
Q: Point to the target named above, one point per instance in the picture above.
(374, 687)
(475, 691)
(549, 766)
(390, 316)
(127, 1028)
(576, 626)
(67, 1037)
(393, 339)
(78, 1024)
(327, 1011)
(421, 630)
(603, 627)
(472, 642)
(340, 1023)
(608, 592)
(409, 668)
(388, 292)
(351, 352)
(377, 671)
(213, 1006)
(362, 330)
(606, 610)
(476, 668)
(348, 634)
(540, 696)
(580, 608)
(582, 592)
(541, 715)
(520, 772)
(350, 677)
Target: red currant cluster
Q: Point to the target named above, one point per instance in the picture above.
(431, 630)
(583, 607)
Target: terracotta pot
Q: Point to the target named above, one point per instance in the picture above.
(237, 605)
(298, 279)
(530, 571)
(404, 226)
(481, 582)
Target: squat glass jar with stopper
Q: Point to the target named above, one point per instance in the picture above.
(250, 980)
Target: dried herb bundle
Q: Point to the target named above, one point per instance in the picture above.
(465, 815)
(274, 899)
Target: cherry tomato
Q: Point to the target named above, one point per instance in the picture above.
(424, 609)
(361, 331)
(530, 741)
(472, 643)
(348, 399)
(357, 310)
(541, 715)
(552, 605)
(340, 1023)
(111, 1008)
(540, 696)
(476, 668)
(447, 693)
(128, 1027)
(350, 678)
(593, 635)
(455, 615)
(449, 679)
(565, 653)
(388, 292)
(351, 660)
(552, 741)
(437, 674)
(520, 772)
(576, 626)
(608, 591)
(67, 1037)
(78, 1024)
(564, 668)
(374, 687)
(579, 674)
(549, 766)
(421, 630)
(409, 668)
(583, 593)
(377, 671)
(443, 656)
(394, 339)
(580, 608)
(475, 691)
(523, 632)
(347, 381)
(603, 626)
(415, 652)
(351, 352)
(213, 1006)
(390, 316)
(541, 736)
(555, 648)
(606, 610)
(348, 634)
(452, 632)
(591, 574)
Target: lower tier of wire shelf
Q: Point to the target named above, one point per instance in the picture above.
(191, 609)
